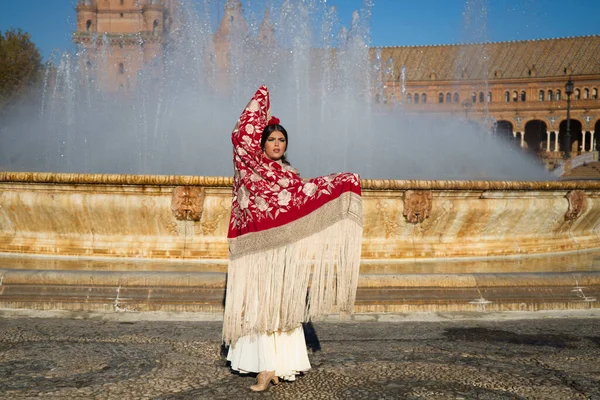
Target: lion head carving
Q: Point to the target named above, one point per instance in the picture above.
(187, 203)
(417, 205)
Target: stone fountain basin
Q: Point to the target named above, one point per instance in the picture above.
(151, 243)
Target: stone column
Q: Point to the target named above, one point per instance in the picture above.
(547, 141)
(522, 139)
(592, 148)
(556, 141)
(583, 137)
(522, 136)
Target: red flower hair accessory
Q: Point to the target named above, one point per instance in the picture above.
(273, 121)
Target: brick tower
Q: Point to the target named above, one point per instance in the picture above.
(121, 36)
(232, 24)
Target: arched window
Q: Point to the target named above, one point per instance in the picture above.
(489, 97)
(456, 97)
(155, 27)
(121, 68)
(506, 96)
(541, 95)
(523, 95)
(473, 97)
(417, 98)
(550, 95)
(515, 96)
(481, 97)
(577, 94)
(88, 25)
(122, 2)
(409, 98)
(557, 95)
(441, 98)
(424, 97)
(594, 94)
(448, 97)
(586, 93)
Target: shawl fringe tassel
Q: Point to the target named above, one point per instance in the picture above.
(277, 289)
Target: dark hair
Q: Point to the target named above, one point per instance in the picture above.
(267, 132)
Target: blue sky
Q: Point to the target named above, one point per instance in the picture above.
(394, 22)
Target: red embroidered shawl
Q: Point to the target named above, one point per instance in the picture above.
(267, 194)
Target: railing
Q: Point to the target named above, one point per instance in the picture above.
(574, 162)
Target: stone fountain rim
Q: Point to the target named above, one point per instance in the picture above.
(226, 181)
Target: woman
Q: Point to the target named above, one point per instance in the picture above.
(285, 235)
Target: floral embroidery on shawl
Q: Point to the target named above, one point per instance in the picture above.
(266, 194)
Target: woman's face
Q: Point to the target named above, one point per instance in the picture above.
(275, 146)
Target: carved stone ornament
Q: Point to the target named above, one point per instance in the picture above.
(576, 204)
(187, 203)
(417, 205)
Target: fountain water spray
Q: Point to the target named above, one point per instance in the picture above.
(177, 116)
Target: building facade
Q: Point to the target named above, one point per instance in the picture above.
(518, 88)
(120, 36)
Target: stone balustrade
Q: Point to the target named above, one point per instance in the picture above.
(136, 216)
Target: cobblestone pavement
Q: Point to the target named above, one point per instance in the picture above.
(557, 358)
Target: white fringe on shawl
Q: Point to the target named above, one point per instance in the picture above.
(268, 291)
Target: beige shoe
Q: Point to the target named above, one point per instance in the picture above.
(263, 379)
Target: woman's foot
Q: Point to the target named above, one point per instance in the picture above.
(263, 379)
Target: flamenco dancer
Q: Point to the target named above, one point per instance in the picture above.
(286, 235)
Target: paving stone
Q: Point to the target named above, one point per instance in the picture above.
(544, 359)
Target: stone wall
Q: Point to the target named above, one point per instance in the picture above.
(140, 216)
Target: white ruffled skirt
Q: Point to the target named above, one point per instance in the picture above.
(282, 352)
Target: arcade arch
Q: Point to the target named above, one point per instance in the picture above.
(504, 131)
(576, 136)
(536, 137)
